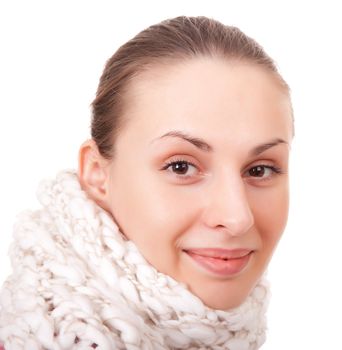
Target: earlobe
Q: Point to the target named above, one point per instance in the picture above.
(93, 172)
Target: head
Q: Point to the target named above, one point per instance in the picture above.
(191, 132)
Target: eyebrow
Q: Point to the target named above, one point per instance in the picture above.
(204, 146)
(265, 146)
(199, 143)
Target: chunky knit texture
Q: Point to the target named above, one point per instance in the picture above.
(77, 283)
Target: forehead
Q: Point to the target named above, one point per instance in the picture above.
(212, 97)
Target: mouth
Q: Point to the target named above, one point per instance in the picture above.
(220, 262)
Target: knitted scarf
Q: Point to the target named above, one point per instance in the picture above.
(77, 283)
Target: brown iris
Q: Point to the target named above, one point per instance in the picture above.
(257, 171)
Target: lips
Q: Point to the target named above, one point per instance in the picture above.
(221, 262)
(219, 253)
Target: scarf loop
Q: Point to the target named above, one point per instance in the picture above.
(77, 283)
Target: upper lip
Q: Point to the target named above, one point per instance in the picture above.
(220, 253)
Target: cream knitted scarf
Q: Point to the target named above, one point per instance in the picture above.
(79, 284)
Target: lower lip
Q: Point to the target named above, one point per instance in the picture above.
(221, 267)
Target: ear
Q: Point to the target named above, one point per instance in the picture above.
(93, 173)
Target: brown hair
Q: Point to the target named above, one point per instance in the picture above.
(179, 38)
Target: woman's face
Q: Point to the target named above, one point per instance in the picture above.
(199, 181)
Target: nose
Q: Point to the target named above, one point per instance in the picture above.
(228, 208)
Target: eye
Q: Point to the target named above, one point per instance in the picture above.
(263, 172)
(181, 167)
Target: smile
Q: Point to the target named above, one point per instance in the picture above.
(221, 262)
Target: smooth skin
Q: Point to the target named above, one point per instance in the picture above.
(202, 162)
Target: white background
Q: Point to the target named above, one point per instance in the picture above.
(51, 57)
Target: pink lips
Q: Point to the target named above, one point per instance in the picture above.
(221, 262)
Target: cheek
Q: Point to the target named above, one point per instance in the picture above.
(149, 212)
(156, 219)
(270, 215)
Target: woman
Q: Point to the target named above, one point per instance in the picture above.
(161, 238)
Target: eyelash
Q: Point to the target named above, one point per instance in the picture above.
(179, 161)
(275, 170)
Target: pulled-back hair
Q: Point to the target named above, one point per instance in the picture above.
(176, 39)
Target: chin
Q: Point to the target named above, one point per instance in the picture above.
(223, 295)
(217, 304)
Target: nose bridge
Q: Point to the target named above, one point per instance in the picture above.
(228, 206)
